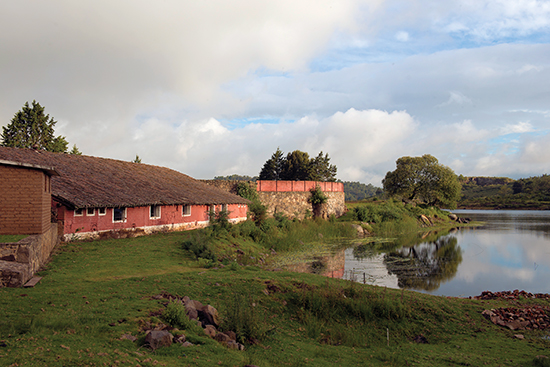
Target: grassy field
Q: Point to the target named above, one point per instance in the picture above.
(8, 238)
(92, 293)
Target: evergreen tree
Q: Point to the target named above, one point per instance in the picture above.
(297, 166)
(321, 169)
(31, 128)
(75, 150)
(273, 167)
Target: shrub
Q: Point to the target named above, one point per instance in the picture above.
(200, 245)
(242, 317)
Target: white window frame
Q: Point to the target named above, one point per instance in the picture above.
(88, 212)
(81, 214)
(223, 207)
(99, 211)
(156, 210)
(124, 215)
(184, 212)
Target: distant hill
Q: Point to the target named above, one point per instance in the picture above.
(357, 191)
(505, 193)
(236, 177)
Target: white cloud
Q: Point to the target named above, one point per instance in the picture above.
(402, 36)
(519, 128)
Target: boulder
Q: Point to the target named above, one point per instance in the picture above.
(210, 330)
(158, 338)
(453, 216)
(359, 229)
(209, 316)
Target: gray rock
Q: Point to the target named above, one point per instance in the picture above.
(158, 339)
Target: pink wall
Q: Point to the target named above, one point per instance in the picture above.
(138, 217)
(297, 186)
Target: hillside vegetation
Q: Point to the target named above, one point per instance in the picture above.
(505, 193)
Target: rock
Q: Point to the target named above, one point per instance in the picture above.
(209, 316)
(234, 345)
(519, 336)
(222, 338)
(187, 344)
(180, 339)
(359, 230)
(158, 338)
(210, 330)
(191, 311)
(128, 337)
(231, 335)
(453, 216)
(424, 219)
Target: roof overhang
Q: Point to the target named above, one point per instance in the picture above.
(48, 170)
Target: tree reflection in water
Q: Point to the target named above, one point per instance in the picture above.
(425, 266)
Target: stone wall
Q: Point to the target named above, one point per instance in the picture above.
(20, 260)
(292, 203)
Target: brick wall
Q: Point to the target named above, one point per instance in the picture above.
(26, 200)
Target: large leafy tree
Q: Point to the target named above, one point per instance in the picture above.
(423, 179)
(32, 128)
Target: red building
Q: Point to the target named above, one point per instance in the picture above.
(91, 196)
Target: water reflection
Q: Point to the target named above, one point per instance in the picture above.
(512, 251)
(425, 266)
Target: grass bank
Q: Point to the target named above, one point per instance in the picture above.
(93, 293)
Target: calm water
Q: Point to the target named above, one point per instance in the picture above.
(512, 251)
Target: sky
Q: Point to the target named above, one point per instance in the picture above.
(214, 87)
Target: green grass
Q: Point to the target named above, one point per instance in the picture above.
(94, 292)
(8, 238)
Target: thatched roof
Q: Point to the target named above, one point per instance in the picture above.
(86, 181)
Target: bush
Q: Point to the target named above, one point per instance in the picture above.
(176, 316)
(242, 317)
(200, 245)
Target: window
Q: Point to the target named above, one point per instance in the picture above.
(119, 214)
(186, 210)
(90, 212)
(102, 211)
(155, 212)
(224, 207)
(78, 212)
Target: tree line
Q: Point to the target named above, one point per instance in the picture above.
(298, 166)
(32, 128)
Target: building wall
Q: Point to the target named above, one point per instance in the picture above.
(25, 195)
(138, 220)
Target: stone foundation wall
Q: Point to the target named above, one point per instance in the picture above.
(20, 260)
(292, 204)
(295, 204)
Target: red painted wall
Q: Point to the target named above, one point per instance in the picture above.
(138, 217)
(297, 186)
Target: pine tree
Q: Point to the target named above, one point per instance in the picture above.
(75, 150)
(273, 167)
(31, 128)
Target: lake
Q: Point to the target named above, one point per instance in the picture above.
(511, 251)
